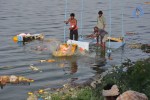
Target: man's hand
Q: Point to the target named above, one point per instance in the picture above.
(91, 36)
(66, 22)
(72, 27)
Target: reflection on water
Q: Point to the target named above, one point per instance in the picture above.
(100, 57)
(74, 67)
(68, 64)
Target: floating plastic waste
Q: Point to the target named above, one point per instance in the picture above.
(27, 37)
(12, 79)
(42, 61)
(49, 60)
(131, 33)
(33, 68)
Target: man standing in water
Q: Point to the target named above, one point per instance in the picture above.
(73, 27)
(101, 24)
(99, 29)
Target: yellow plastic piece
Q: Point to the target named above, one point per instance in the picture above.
(15, 38)
(62, 51)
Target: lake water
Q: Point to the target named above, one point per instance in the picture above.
(47, 16)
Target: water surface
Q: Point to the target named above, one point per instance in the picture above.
(47, 16)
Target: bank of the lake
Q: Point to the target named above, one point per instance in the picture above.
(129, 76)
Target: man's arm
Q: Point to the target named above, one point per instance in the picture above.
(67, 21)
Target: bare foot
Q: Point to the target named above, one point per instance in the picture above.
(97, 44)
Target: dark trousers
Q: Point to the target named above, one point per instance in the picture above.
(74, 33)
(97, 39)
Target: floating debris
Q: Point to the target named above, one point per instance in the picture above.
(131, 33)
(135, 45)
(65, 50)
(27, 37)
(146, 2)
(33, 68)
(145, 48)
(42, 61)
(4, 80)
(49, 60)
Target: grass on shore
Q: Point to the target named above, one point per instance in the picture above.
(129, 76)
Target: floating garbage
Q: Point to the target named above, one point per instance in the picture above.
(146, 2)
(33, 68)
(46, 46)
(12, 79)
(42, 61)
(135, 45)
(27, 37)
(145, 48)
(131, 33)
(49, 60)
